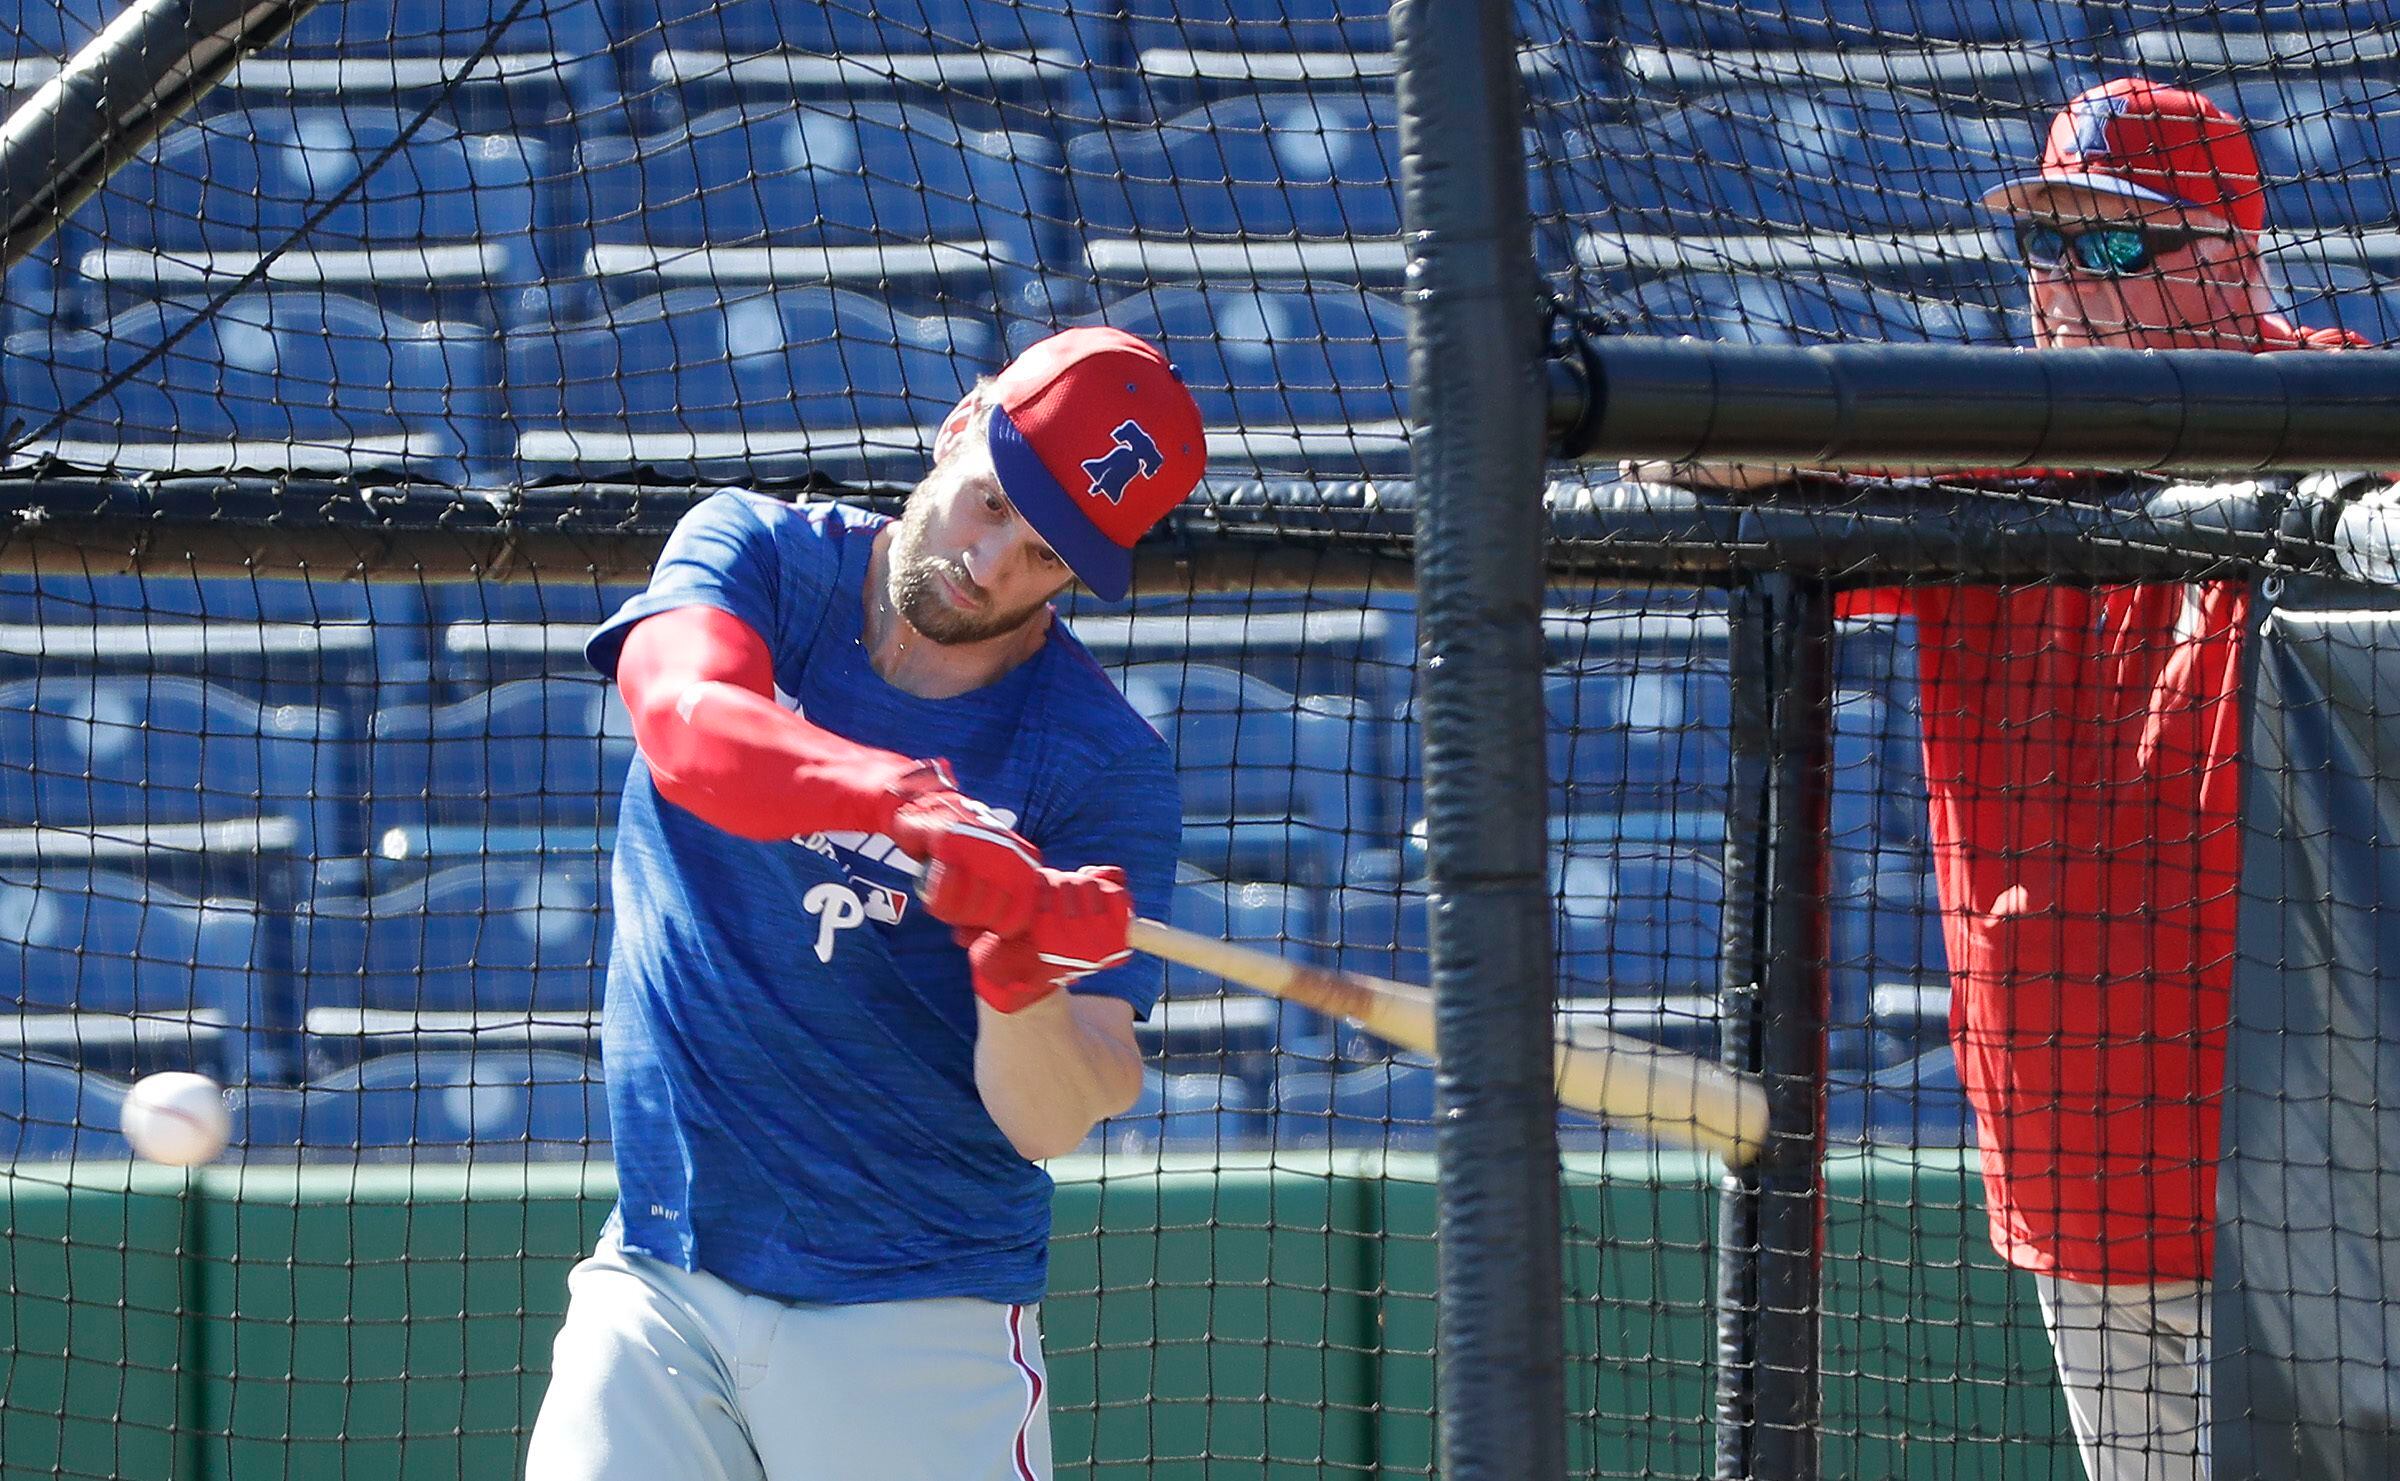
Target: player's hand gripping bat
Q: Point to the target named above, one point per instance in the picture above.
(1656, 1091)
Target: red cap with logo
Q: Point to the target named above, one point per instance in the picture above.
(2138, 141)
(1095, 439)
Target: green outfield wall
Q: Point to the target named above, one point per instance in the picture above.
(1270, 1317)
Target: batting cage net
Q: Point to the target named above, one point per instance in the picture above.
(339, 415)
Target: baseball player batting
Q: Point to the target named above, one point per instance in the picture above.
(859, 992)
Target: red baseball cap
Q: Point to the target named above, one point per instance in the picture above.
(1095, 439)
(2135, 140)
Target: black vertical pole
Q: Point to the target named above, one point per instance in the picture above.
(1771, 1216)
(1477, 410)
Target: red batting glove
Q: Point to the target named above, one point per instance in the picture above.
(1078, 928)
(980, 874)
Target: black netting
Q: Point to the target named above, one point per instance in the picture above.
(337, 419)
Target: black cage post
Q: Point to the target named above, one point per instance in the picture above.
(1770, 1254)
(1477, 410)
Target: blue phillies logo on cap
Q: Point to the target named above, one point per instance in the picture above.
(1135, 455)
(1085, 388)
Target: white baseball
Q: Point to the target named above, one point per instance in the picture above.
(177, 1118)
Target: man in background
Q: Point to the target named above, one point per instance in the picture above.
(2081, 747)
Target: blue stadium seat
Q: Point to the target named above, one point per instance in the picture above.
(1379, 931)
(487, 1105)
(87, 941)
(1869, 24)
(533, 766)
(53, 1111)
(1191, 50)
(488, 632)
(128, 753)
(882, 196)
(1274, 784)
(2341, 296)
(1200, 1018)
(1639, 749)
(1865, 162)
(1678, 173)
(963, 52)
(1916, 1103)
(1386, 1104)
(1860, 792)
(446, 228)
(2326, 146)
(1183, 1113)
(496, 937)
(267, 1121)
(1639, 922)
(286, 639)
(273, 382)
(1809, 157)
(1747, 308)
(1359, 642)
(2021, 70)
(1261, 25)
(36, 35)
(1277, 188)
(1663, 910)
(2264, 41)
(2328, 17)
(1885, 933)
(549, 61)
(701, 383)
(1286, 378)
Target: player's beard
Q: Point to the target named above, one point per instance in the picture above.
(917, 593)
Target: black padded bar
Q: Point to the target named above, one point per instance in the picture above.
(1865, 405)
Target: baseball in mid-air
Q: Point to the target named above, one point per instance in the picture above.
(177, 1118)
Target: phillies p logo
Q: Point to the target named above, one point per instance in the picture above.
(1134, 456)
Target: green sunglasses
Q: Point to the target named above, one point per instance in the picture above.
(2109, 251)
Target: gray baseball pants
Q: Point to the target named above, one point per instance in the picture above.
(2134, 1362)
(662, 1374)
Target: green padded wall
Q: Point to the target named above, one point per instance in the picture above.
(1231, 1317)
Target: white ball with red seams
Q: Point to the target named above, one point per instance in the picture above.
(177, 1118)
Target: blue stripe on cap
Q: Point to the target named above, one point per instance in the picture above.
(1097, 561)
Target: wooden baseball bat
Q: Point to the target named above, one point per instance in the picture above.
(1661, 1093)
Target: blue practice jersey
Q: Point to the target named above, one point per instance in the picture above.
(789, 1036)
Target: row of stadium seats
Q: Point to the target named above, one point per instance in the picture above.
(531, 936)
(485, 816)
(450, 721)
(903, 199)
(692, 381)
(594, 57)
(1275, 786)
(696, 384)
(502, 1105)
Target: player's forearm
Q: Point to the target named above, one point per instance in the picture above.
(753, 768)
(1047, 1076)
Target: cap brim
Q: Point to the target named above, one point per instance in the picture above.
(2063, 195)
(1101, 564)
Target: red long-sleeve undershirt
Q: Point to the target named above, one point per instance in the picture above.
(700, 686)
